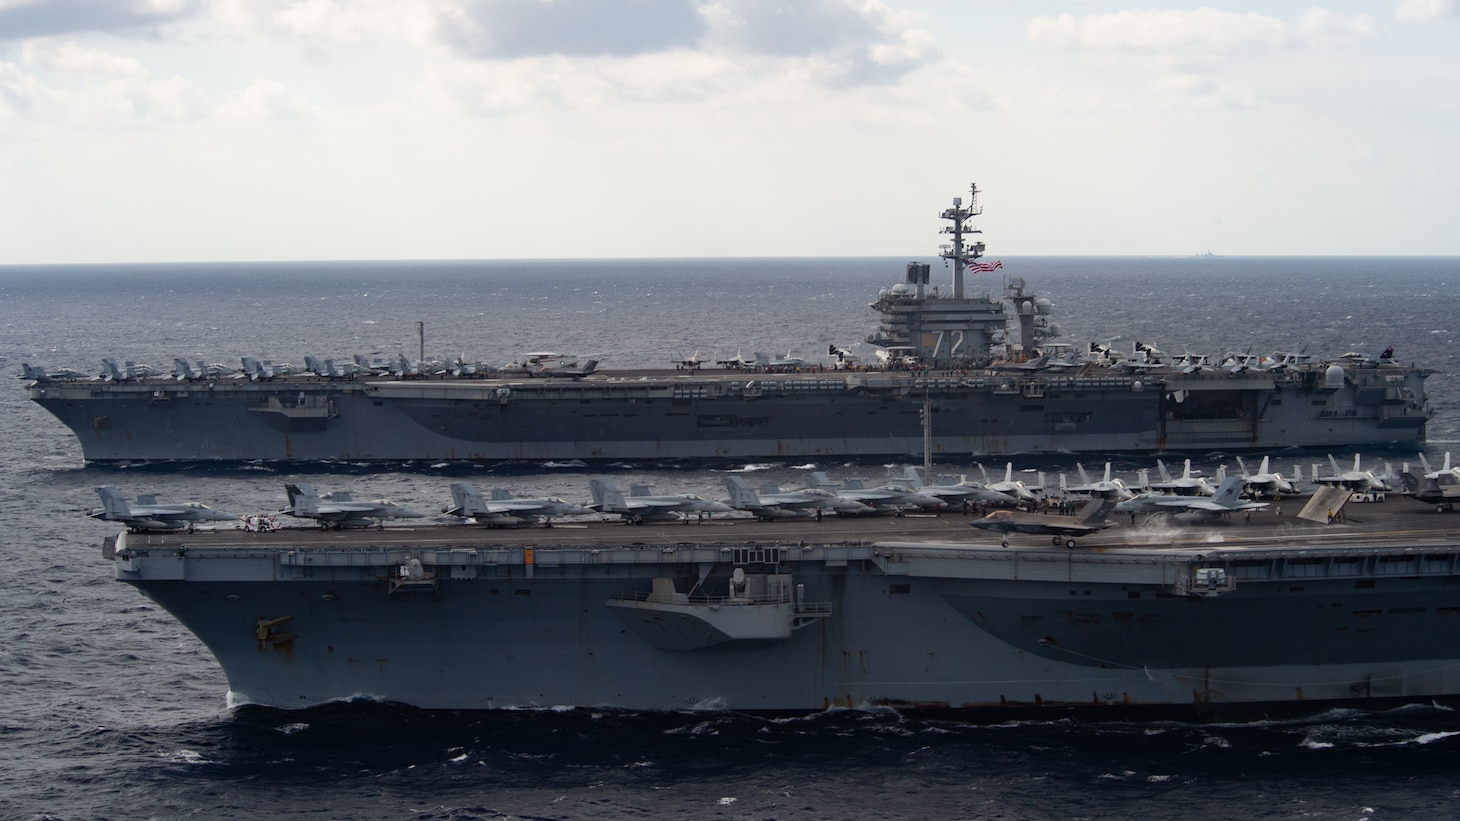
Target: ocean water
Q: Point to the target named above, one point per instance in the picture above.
(112, 710)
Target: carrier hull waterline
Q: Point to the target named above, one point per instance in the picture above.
(959, 374)
(1272, 618)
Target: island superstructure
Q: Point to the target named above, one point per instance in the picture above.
(962, 374)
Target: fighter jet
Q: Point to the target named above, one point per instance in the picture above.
(1266, 483)
(796, 504)
(1356, 479)
(1444, 471)
(766, 362)
(892, 496)
(739, 363)
(127, 372)
(147, 514)
(340, 510)
(955, 493)
(329, 370)
(1011, 486)
(506, 510)
(36, 373)
(1063, 528)
(1104, 488)
(1227, 499)
(640, 507)
(1442, 491)
(1186, 484)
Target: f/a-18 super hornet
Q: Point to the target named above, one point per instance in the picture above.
(506, 510)
(1104, 488)
(1266, 483)
(1089, 519)
(1010, 486)
(796, 504)
(640, 506)
(1355, 479)
(1227, 499)
(887, 497)
(956, 492)
(1187, 484)
(1440, 488)
(340, 509)
(147, 514)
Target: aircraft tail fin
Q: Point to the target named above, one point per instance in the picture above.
(1094, 511)
(182, 370)
(32, 372)
(303, 499)
(590, 366)
(500, 494)
(911, 476)
(1084, 477)
(1411, 482)
(110, 371)
(1242, 468)
(112, 504)
(639, 490)
(466, 500)
(1160, 468)
(821, 480)
(1229, 491)
(741, 494)
(606, 496)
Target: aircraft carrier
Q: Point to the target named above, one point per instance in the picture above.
(1285, 614)
(959, 373)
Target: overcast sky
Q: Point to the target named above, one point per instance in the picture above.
(192, 130)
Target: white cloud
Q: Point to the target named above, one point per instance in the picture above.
(73, 84)
(319, 27)
(72, 58)
(266, 99)
(1204, 30)
(1421, 10)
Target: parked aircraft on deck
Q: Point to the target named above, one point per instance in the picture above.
(1355, 479)
(640, 507)
(340, 510)
(1227, 499)
(768, 504)
(506, 510)
(147, 514)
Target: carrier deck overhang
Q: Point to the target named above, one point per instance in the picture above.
(916, 613)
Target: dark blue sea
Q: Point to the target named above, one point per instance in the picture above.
(111, 710)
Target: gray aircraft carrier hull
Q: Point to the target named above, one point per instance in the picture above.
(1287, 616)
(736, 416)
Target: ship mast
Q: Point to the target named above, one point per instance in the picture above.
(958, 216)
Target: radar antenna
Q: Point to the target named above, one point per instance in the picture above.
(958, 216)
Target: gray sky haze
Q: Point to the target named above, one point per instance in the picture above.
(178, 130)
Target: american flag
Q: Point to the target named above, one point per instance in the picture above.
(978, 267)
